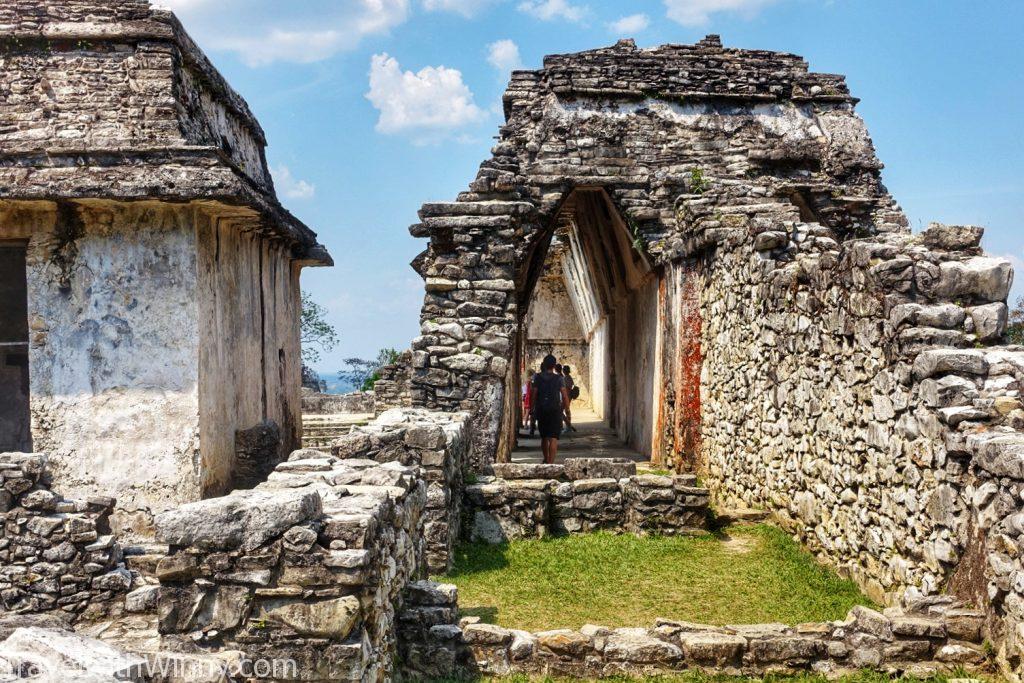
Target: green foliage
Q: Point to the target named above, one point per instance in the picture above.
(638, 239)
(363, 374)
(751, 574)
(316, 333)
(698, 183)
(1015, 332)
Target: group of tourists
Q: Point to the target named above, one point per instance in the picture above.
(547, 404)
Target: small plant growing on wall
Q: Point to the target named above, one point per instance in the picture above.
(698, 183)
(638, 240)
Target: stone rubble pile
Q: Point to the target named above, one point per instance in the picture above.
(923, 639)
(307, 567)
(439, 444)
(519, 500)
(55, 554)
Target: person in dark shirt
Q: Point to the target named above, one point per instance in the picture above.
(550, 402)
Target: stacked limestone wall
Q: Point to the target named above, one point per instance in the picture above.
(440, 445)
(812, 404)
(311, 566)
(56, 555)
(517, 501)
(308, 567)
(392, 389)
(638, 128)
(926, 638)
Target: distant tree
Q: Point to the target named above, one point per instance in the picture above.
(317, 334)
(362, 373)
(311, 380)
(1015, 332)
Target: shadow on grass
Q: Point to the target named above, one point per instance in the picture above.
(476, 558)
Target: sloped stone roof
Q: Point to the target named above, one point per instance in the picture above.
(113, 100)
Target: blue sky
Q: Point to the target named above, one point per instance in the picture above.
(372, 107)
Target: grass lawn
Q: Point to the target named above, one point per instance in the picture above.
(748, 574)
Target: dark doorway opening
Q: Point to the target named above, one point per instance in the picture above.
(15, 420)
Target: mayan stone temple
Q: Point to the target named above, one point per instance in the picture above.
(701, 230)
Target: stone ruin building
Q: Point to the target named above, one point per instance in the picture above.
(149, 273)
(748, 306)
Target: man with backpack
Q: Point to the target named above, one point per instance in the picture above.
(550, 401)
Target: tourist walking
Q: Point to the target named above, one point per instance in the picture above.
(573, 391)
(550, 402)
(529, 421)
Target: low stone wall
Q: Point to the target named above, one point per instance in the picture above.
(356, 402)
(925, 638)
(585, 494)
(308, 566)
(56, 555)
(440, 444)
(392, 389)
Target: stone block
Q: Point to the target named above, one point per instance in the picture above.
(334, 619)
(989, 321)
(981, 278)
(711, 648)
(950, 361)
(952, 237)
(486, 634)
(241, 520)
(782, 649)
(515, 470)
(598, 468)
(637, 646)
(566, 643)
(430, 593)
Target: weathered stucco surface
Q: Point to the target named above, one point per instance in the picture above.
(113, 349)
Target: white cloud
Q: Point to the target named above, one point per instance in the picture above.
(429, 104)
(290, 186)
(698, 12)
(504, 56)
(634, 23)
(265, 31)
(466, 8)
(553, 9)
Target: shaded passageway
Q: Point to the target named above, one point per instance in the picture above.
(592, 302)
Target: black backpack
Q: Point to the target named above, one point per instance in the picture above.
(574, 393)
(549, 393)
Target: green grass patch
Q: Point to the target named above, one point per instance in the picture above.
(745, 575)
